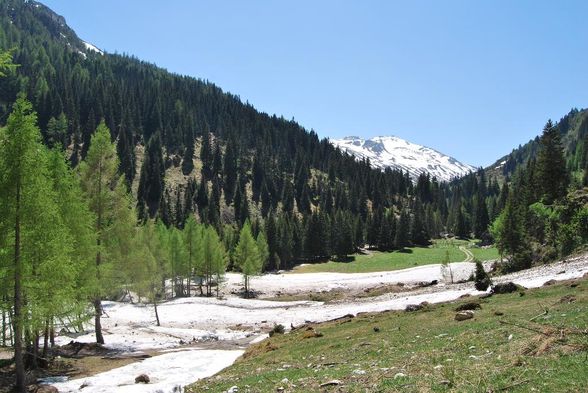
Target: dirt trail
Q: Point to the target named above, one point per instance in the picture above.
(468, 253)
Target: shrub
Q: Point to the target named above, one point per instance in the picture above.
(482, 280)
(278, 329)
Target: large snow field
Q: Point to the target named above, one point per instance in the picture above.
(131, 327)
(271, 284)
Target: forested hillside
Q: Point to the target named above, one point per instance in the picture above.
(573, 130)
(186, 148)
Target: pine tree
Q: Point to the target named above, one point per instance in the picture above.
(57, 131)
(247, 256)
(206, 156)
(402, 230)
(125, 148)
(152, 178)
(418, 229)
(230, 169)
(188, 159)
(509, 233)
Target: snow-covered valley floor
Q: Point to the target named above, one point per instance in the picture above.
(200, 336)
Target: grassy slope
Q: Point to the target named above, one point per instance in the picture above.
(411, 257)
(429, 347)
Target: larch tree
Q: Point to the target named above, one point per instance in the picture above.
(106, 193)
(78, 219)
(177, 258)
(151, 272)
(247, 256)
(215, 260)
(263, 248)
(193, 243)
(37, 243)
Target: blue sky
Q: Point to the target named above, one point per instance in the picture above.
(472, 79)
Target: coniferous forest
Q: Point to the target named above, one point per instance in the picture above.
(115, 173)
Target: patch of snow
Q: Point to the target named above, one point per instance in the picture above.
(167, 373)
(92, 48)
(501, 164)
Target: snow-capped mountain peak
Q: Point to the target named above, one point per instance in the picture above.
(397, 153)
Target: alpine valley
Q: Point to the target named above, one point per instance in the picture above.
(159, 234)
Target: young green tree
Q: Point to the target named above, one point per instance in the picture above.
(39, 243)
(151, 272)
(106, 193)
(509, 233)
(6, 64)
(247, 256)
(214, 259)
(178, 261)
(263, 248)
(193, 242)
(78, 219)
(482, 279)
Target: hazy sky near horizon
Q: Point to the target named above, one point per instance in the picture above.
(472, 79)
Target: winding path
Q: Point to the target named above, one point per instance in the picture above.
(468, 253)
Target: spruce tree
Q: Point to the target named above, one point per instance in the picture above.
(151, 180)
(551, 165)
(402, 230)
(418, 229)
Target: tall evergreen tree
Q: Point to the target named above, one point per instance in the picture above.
(151, 181)
(551, 165)
(402, 230)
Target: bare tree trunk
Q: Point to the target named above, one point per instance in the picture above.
(4, 327)
(35, 355)
(189, 266)
(97, 322)
(156, 313)
(17, 321)
(97, 302)
(46, 339)
(52, 333)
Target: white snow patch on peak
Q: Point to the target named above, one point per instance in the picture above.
(397, 153)
(92, 48)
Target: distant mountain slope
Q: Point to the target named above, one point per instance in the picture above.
(393, 152)
(573, 129)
